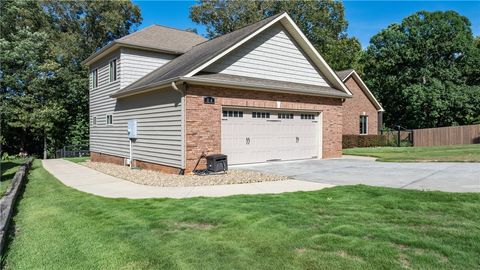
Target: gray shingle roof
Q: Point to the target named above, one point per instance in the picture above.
(342, 74)
(155, 37)
(163, 38)
(197, 56)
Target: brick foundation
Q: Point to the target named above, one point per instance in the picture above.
(356, 106)
(203, 121)
(105, 158)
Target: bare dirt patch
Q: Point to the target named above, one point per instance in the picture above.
(300, 250)
(194, 225)
(344, 254)
(154, 178)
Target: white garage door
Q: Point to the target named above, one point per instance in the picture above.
(250, 136)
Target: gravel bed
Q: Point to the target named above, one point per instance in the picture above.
(154, 178)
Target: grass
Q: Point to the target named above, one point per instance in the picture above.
(347, 227)
(452, 153)
(77, 159)
(9, 168)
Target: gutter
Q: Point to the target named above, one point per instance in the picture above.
(211, 82)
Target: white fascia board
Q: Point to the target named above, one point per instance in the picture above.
(314, 55)
(366, 90)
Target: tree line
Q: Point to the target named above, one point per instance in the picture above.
(424, 70)
(44, 87)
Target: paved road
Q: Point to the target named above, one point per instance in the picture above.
(94, 182)
(453, 177)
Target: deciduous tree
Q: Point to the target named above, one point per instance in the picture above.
(323, 22)
(423, 70)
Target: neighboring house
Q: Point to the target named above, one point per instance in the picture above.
(257, 94)
(362, 114)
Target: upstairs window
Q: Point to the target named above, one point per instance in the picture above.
(109, 119)
(94, 120)
(363, 124)
(113, 70)
(95, 78)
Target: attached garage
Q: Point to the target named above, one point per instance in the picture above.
(254, 135)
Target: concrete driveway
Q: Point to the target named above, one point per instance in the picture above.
(453, 177)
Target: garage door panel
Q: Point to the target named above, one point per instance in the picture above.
(248, 140)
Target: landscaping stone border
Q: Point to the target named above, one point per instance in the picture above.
(7, 202)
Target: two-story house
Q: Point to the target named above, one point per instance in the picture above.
(257, 94)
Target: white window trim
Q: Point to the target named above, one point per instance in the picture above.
(110, 76)
(106, 120)
(94, 78)
(366, 124)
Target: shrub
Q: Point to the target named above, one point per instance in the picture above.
(351, 141)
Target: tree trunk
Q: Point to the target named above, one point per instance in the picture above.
(45, 145)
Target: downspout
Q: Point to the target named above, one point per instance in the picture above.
(175, 87)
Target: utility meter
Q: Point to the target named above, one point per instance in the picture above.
(132, 129)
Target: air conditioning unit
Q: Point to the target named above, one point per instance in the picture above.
(217, 163)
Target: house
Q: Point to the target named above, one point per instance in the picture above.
(362, 114)
(258, 94)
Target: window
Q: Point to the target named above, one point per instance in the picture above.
(113, 70)
(95, 78)
(363, 124)
(260, 115)
(109, 119)
(285, 116)
(94, 120)
(307, 116)
(237, 114)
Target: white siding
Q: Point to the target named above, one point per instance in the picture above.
(158, 116)
(137, 63)
(271, 55)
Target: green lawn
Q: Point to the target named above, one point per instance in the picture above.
(348, 227)
(77, 159)
(9, 168)
(454, 153)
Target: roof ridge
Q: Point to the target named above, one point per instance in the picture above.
(133, 33)
(177, 29)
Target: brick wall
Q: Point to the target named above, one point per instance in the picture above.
(354, 107)
(203, 121)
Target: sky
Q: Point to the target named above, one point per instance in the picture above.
(365, 18)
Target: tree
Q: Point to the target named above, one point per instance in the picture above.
(422, 70)
(323, 22)
(44, 87)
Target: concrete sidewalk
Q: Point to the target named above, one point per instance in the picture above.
(94, 182)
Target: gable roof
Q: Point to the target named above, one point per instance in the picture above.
(204, 54)
(345, 74)
(154, 38)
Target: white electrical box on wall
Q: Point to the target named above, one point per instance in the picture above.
(132, 129)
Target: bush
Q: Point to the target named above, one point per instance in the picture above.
(351, 141)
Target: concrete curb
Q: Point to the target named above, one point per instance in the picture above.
(7, 202)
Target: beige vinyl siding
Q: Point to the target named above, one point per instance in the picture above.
(273, 55)
(158, 115)
(137, 63)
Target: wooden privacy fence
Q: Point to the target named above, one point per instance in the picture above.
(446, 135)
